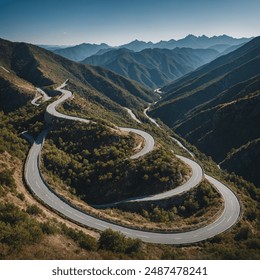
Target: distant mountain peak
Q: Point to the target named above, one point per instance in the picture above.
(190, 36)
(89, 44)
(81, 51)
(204, 37)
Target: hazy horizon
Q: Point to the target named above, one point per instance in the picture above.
(154, 42)
(54, 22)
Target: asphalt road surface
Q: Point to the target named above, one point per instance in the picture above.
(132, 115)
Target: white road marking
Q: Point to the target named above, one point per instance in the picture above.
(142, 236)
(100, 225)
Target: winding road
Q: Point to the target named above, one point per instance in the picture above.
(34, 180)
(132, 115)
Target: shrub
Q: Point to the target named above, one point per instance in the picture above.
(116, 242)
(243, 234)
(83, 240)
(34, 210)
(6, 178)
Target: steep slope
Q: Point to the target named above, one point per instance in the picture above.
(240, 161)
(212, 79)
(14, 91)
(217, 68)
(80, 52)
(152, 68)
(42, 68)
(217, 106)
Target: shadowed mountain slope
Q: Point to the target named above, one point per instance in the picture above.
(153, 68)
(217, 106)
(80, 52)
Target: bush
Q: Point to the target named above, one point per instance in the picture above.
(21, 196)
(34, 210)
(243, 234)
(116, 242)
(84, 241)
(6, 178)
(17, 228)
(48, 228)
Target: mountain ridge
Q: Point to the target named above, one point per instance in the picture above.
(155, 67)
(84, 50)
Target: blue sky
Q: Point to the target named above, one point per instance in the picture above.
(69, 22)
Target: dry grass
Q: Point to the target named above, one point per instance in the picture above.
(54, 247)
(17, 81)
(13, 163)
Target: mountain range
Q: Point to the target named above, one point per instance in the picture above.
(217, 108)
(82, 51)
(190, 41)
(153, 65)
(152, 68)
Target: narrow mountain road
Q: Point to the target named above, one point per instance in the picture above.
(132, 115)
(35, 181)
(42, 96)
(151, 120)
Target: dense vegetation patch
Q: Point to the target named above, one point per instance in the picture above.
(94, 161)
(9, 140)
(189, 210)
(17, 228)
(118, 243)
(194, 202)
